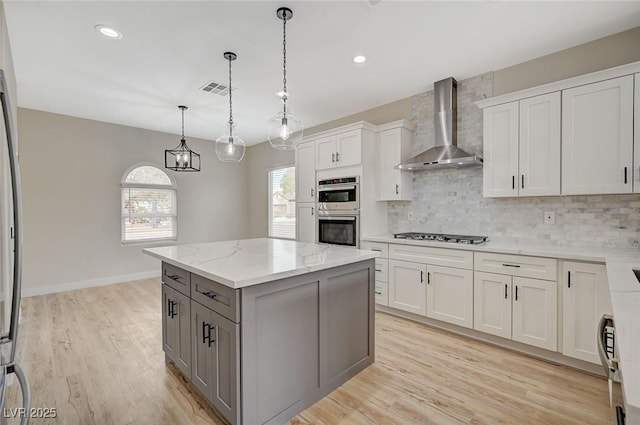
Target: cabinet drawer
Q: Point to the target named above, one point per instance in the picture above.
(219, 298)
(381, 247)
(436, 256)
(382, 293)
(382, 270)
(177, 278)
(517, 265)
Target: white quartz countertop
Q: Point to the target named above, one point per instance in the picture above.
(247, 262)
(598, 255)
(623, 287)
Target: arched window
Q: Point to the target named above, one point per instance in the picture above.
(149, 207)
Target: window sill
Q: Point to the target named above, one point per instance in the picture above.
(150, 242)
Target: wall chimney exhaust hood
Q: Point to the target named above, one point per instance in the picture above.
(445, 153)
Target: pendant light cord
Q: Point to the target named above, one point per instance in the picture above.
(284, 65)
(182, 109)
(230, 103)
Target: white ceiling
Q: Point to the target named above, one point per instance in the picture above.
(171, 48)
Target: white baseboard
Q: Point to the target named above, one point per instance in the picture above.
(62, 287)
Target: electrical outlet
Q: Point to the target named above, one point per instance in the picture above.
(549, 217)
(411, 216)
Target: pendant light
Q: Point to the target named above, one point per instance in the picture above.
(181, 158)
(284, 130)
(229, 147)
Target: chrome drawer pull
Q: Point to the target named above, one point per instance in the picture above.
(511, 265)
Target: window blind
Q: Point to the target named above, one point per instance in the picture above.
(282, 203)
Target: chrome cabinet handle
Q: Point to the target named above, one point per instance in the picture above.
(513, 182)
(428, 278)
(523, 181)
(511, 265)
(625, 175)
(569, 279)
(421, 276)
(505, 291)
(516, 292)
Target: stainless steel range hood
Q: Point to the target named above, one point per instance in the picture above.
(445, 153)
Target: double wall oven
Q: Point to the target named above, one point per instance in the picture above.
(338, 217)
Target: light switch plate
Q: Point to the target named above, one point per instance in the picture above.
(549, 217)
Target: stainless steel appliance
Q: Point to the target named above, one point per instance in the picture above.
(338, 215)
(439, 237)
(609, 357)
(9, 334)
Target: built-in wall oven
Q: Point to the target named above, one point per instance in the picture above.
(338, 217)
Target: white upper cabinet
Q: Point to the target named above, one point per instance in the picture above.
(394, 146)
(522, 147)
(597, 137)
(539, 158)
(636, 137)
(305, 172)
(500, 150)
(342, 150)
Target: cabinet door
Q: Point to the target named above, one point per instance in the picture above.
(500, 150)
(535, 312)
(306, 223)
(182, 317)
(326, 153)
(349, 148)
(225, 371)
(201, 364)
(492, 304)
(407, 286)
(597, 137)
(306, 172)
(450, 295)
(636, 137)
(388, 158)
(540, 146)
(169, 327)
(585, 298)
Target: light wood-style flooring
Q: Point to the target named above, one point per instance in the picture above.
(96, 356)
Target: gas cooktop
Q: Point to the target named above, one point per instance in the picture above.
(465, 239)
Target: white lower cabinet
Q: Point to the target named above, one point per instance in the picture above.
(407, 288)
(522, 309)
(535, 312)
(306, 222)
(382, 293)
(585, 298)
(492, 304)
(450, 295)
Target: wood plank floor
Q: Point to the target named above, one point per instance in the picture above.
(96, 356)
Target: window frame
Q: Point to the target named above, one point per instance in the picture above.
(270, 203)
(124, 185)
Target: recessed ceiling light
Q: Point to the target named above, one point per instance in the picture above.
(359, 59)
(109, 32)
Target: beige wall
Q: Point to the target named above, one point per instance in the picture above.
(71, 173)
(260, 159)
(617, 49)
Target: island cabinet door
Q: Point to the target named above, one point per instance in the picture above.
(182, 319)
(225, 369)
(407, 286)
(201, 363)
(169, 328)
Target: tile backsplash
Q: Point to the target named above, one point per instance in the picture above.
(450, 201)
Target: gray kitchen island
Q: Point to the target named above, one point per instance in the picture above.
(264, 328)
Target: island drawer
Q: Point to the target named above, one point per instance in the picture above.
(382, 248)
(516, 265)
(177, 278)
(219, 298)
(382, 270)
(436, 256)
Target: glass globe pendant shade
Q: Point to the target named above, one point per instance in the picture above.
(284, 131)
(230, 148)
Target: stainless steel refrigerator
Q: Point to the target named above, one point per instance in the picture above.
(12, 292)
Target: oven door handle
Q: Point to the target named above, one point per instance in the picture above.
(344, 218)
(610, 365)
(337, 187)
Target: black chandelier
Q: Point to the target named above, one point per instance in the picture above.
(181, 158)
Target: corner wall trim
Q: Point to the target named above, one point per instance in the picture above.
(63, 287)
